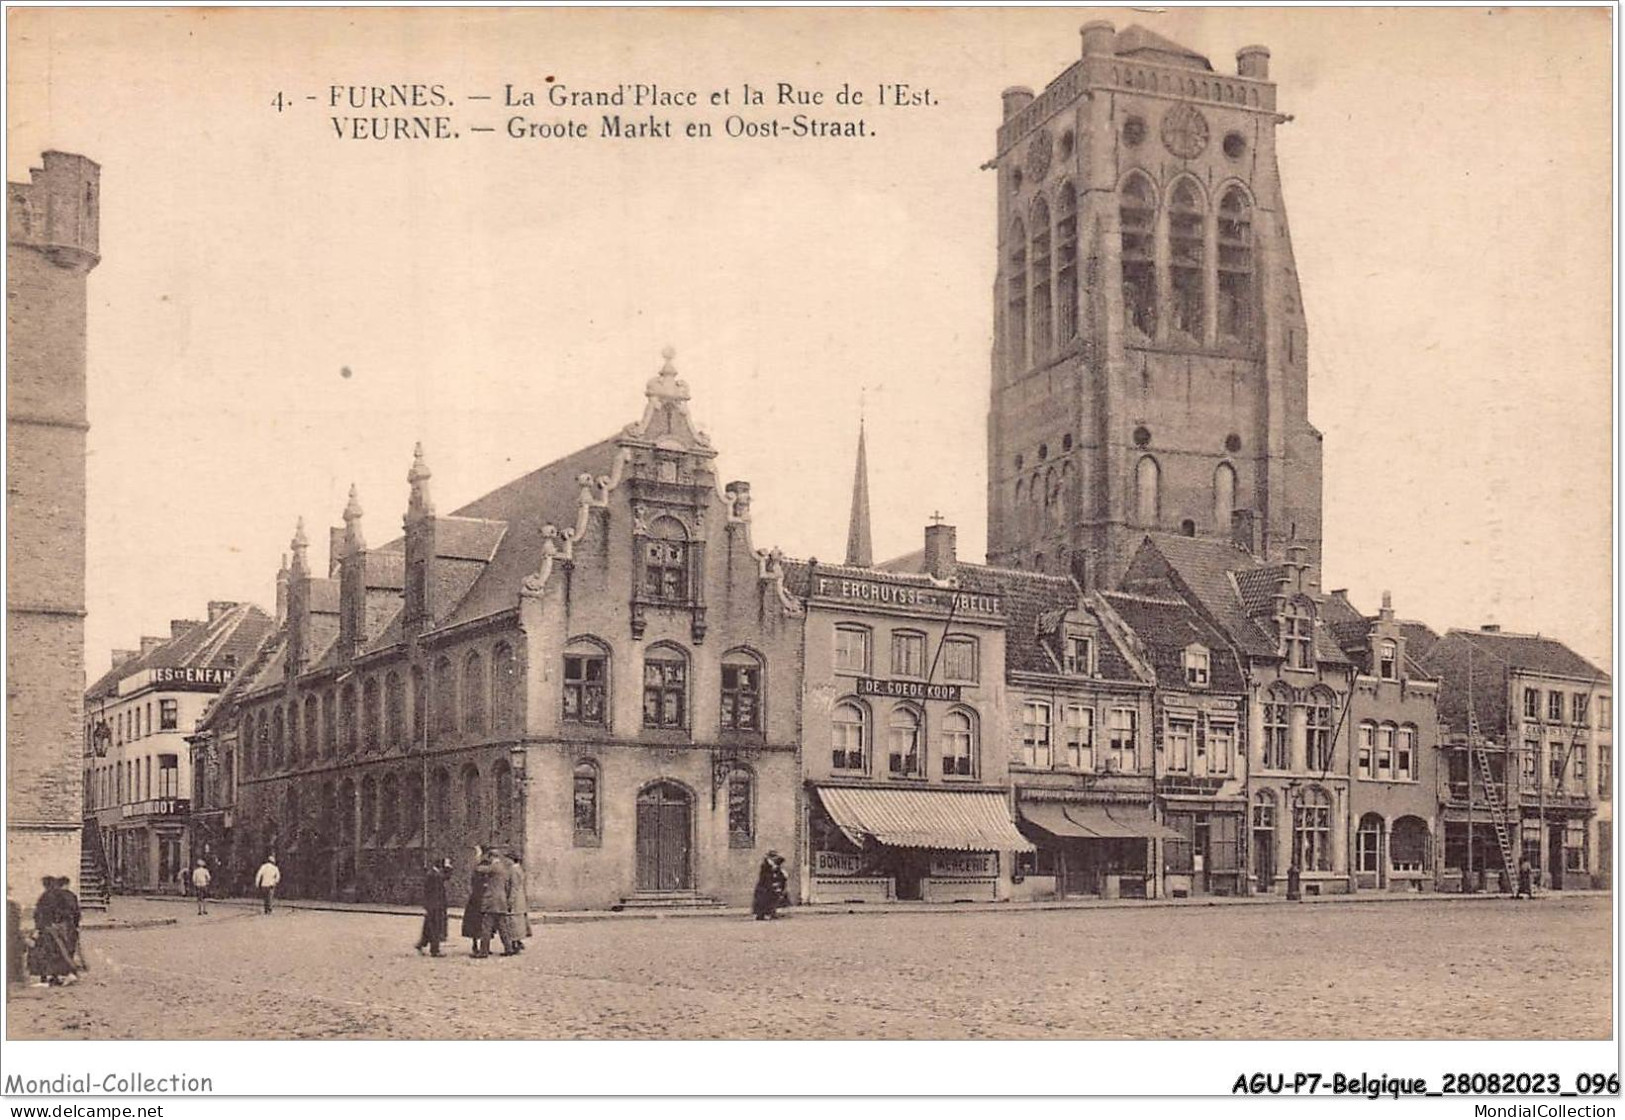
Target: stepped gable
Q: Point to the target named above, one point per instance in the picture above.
(504, 528)
(1165, 625)
(1135, 41)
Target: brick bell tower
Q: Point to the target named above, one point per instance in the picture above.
(52, 243)
(1149, 358)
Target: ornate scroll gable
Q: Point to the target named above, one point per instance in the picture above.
(666, 421)
(770, 569)
(559, 546)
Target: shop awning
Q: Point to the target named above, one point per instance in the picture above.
(952, 820)
(1096, 822)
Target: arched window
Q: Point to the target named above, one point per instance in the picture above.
(1368, 845)
(1066, 264)
(1186, 268)
(1043, 334)
(372, 715)
(504, 688)
(277, 733)
(1385, 751)
(741, 691)
(1277, 728)
(741, 809)
(350, 724)
(291, 814)
(412, 808)
(1312, 830)
(474, 686)
(586, 682)
(293, 733)
(330, 724)
(327, 818)
(850, 738)
(1405, 753)
(1264, 810)
(440, 803)
(958, 744)
(665, 562)
(394, 711)
(262, 734)
(369, 808)
(1015, 318)
(1410, 846)
(665, 688)
(1137, 215)
(584, 798)
(903, 736)
(1224, 496)
(1236, 298)
(417, 715)
(502, 798)
(1148, 492)
(472, 815)
(389, 809)
(445, 697)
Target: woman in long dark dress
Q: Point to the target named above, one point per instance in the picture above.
(56, 926)
(473, 918)
(434, 907)
(765, 901)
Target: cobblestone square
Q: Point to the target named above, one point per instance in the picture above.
(1418, 969)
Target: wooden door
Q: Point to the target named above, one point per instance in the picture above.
(665, 819)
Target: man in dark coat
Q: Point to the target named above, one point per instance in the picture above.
(473, 914)
(494, 902)
(434, 907)
(56, 925)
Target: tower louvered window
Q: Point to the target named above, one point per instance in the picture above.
(1043, 315)
(1066, 265)
(1016, 314)
(1137, 217)
(1185, 260)
(1235, 267)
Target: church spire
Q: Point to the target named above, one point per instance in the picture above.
(353, 540)
(860, 551)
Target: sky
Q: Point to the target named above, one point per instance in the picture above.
(279, 313)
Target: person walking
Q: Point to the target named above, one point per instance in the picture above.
(200, 886)
(56, 933)
(494, 903)
(266, 880)
(1526, 879)
(765, 900)
(434, 907)
(518, 902)
(473, 912)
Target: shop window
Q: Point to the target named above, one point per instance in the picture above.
(1035, 735)
(1236, 286)
(907, 654)
(1080, 737)
(849, 739)
(903, 735)
(1368, 844)
(585, 805)
(1312, 830)
(1177, 745)
(1410, 845)
(851, 649)
(1197, 666)
(958, 745)
(741, 692)
(169, 715)
(1186, 266)
(665, 688)
(586, 684)
(741, 811)
(665, 565)
(1137, 219)
(1178, 855)
(960, 659)
(1123, 747)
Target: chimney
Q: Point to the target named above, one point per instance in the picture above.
(1253, 62)
(1099, 35)
(1016, 98)
(149, 643)
(179, 626)
(1491, 628)
(218, 608)
(1244, 531)
(941, 554)
(120, 656)
(1387, 611)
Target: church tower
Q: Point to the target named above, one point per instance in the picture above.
(1149, 370)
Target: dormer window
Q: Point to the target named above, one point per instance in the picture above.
(1388, 661)
(1077, 654)
(1299, 639)
(1197, 666)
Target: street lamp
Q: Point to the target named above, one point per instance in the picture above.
(1294, 871)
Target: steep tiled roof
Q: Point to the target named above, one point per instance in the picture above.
(228, 641)
(1165, 625)
(1535, 654)
(247, 678)
(1419, 638)
(508, 522)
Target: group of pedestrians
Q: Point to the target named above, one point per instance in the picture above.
(497, 904)
(52, 953)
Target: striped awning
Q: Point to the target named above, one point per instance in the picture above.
(951, 820)
(1096, 822)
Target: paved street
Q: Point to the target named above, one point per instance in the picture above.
(1445, 969)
